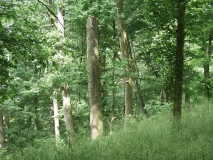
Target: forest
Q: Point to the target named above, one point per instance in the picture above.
(106, 80)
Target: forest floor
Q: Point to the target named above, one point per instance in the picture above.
(154, 138)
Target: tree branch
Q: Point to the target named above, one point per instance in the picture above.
(185, 2)
(50, 12)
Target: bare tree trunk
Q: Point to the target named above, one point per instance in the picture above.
(2, 140)
(125, 53)
(65, 89)
(68, 112)
(52, 130)
(179, 62)
(56, 118)
(94, 85)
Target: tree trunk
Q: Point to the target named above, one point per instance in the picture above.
(65, 89)
(94, 85)
(142, 104)
(125, 54)
(61, 19)
(161, 96)
(56, 118)
(68, 112)
(52, 130)
(37, 125)
(187, 98)
(179, 62)
(206, 69)
(2, 140)
(135, 70)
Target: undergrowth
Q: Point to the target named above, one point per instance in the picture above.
(153, 138)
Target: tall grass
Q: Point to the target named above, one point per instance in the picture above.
(151, 139)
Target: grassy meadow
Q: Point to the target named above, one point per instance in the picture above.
(153, 138)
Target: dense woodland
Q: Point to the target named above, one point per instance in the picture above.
(77, 75)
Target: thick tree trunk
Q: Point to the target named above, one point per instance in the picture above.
(68, 112)
(2, 140)
(179, 62)
(125, 53)
(56, 118)
(206, 68)
(94, 85)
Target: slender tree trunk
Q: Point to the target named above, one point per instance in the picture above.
(68, 112)
(38, 125)
(206, 68)
(56, 118)
(142, 104)
(125, 53)
(94, 85)
(112, 114)
(2, 140)
(52, 130)
(187, 98)
(161, 96)
(135, 69)
(179, 62)
(7, 125)
(113, 102)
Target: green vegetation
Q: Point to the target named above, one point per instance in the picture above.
(133, 82)
(151, 139)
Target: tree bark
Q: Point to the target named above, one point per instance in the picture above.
(135, 69)
(94, 85)
(206, 68)
(37, 125)
(56, 118)
(52, 130)
(125, 54)
(68, 112)
(179, 62)
(187, 98)
(2, 140)
(65, 89)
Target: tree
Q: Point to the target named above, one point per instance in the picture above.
(179, 61)
(56, 118)
(206, 68)
(94, 85)
(124, 46)
(2, 140)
